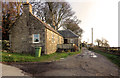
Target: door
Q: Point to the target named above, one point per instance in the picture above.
(65, 41)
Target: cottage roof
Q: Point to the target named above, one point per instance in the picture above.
(68, 34)
(46, 25)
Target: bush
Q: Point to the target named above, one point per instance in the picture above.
(69, 50)
(63, 51)
(5, 45)
(76, 47)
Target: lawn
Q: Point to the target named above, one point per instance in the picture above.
(16, 57)
(113, 58)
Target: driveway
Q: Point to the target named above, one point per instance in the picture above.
(85, 64)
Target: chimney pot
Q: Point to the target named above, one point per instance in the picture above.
(27, 7)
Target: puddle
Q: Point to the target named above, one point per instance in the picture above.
(94, 56)
(61, 58)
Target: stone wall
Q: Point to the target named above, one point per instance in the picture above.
(51, 41)
(36, 27)
(22, 36)
(19, 35)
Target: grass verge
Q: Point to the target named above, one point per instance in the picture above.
(16, 57)
(113, 58)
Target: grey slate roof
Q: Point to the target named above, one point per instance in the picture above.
(46, 25)
(68, 34)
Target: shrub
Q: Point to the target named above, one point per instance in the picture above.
(69, 50)
(5, 45)
(63, 51)
(76, 47)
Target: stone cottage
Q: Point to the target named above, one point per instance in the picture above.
(29, 32)
(70, 37)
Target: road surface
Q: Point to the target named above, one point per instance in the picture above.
(85, 64)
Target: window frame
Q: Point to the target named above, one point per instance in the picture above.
(34, 38)
(72, 41)
(58, 40)
(53, 38)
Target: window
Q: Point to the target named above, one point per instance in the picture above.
(71, 41)
(36, 38)
(53, 38)
(58, 40)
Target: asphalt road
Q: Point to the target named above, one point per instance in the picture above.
(85, 64)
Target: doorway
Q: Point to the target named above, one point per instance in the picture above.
(65, 41)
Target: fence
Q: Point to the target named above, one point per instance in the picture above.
(66, 47)
(113, 50)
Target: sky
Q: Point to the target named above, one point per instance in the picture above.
(101, 15)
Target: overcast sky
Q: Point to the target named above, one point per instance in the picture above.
(101, 15)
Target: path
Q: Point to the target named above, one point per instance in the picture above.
(8, 70)
(85, 64)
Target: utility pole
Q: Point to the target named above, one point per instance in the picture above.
(92, 35)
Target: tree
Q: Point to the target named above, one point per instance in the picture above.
(73, 25)
(10, 11)
(98, 41)
(57, 14)
(53, 13)
(102, 43)
(105, 42)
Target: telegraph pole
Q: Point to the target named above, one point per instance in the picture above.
(92, 35)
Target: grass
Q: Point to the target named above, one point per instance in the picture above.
(16, 57)
(113, 58)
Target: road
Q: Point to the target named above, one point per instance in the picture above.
(85, 64)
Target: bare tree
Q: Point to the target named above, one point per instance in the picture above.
(57, 14)
(10, 12)
(53, 13)
(73, 25)
(102, 43)
(105, 42)
(98, 41)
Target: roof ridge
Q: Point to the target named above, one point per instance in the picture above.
(49, 27)
(68, 33)
(61, 30)
(73, 32)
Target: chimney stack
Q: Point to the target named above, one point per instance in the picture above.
(27, 8)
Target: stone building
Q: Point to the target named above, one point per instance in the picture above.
(29, 32)
(70, 37)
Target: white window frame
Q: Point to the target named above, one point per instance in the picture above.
(34, 37)
(58, 40)
(53, 38)
(71, 40)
